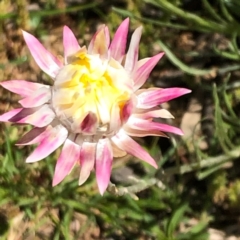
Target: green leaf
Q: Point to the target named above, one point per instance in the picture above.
(191, 18)
(181, 65)
(176, 219)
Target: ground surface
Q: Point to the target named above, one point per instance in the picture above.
(195, 193)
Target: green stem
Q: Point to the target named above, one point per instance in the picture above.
(231, 155)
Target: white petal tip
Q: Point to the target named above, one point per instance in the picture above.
(102, 187)
(30, 160)
(102, 191)
(82, 180)
(55, 183)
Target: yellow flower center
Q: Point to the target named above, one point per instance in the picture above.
(91, 91)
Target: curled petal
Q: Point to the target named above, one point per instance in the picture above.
(123, 141)
(70, 43)
(100, 42)
(87, 160)
(41, 96)
(35, 135)
(142, 73)
(45, 60)
(104, 157)
(66, 161)
(53, 139)
(22, 87)
(146, 125)
(118, 45)
(153, 97)
(38, 117)
(132, 54)
(89, 124)
(8, 115)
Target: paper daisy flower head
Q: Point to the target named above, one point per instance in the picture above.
(94, 105)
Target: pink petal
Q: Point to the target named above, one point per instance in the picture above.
(141, 62)
(103, 164)
(127, 144)
(70, 42)
(146, 125)
(142, 133)
(159, 113)
(6, 116)
(45, 60)
(117, 152)
(89, 124)
(100, 42)
(142, 73)
(65, 163)
(22, 87)
(126, 111)
(154, 97)
(35, 135)
(54, 139)
(38, 117)
(87, 160)
(132, 54)
(118, 45)
(25, 112)
(115, 120)
(41, 96)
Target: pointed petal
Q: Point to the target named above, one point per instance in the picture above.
(38, 117)
(117, 152)
(103, 164)
(141, 62)
(142, 73)
(35, 135)
(87, 161)
(100, 42)
(132, 54)
(146, 125)
(143, 133)
(123, 141)
(159, 113)
(70, 42)
(38, 98)
(25, 112)
(8, 115)
(66, 161)
(45, 60)
(49, 144)
(153, 97)
(118, 45)
(22, 87)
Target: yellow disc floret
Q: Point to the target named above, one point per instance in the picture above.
(91, 91)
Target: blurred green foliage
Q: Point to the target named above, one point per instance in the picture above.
(193, 186)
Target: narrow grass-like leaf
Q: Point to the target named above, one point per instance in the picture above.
(192, 18)
(176, 218)
(53, 12)
(212, 11)
(127, 13)
(179, 64)
(225, 12)
(225, 54)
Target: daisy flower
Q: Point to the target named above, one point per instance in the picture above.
(94, 106)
